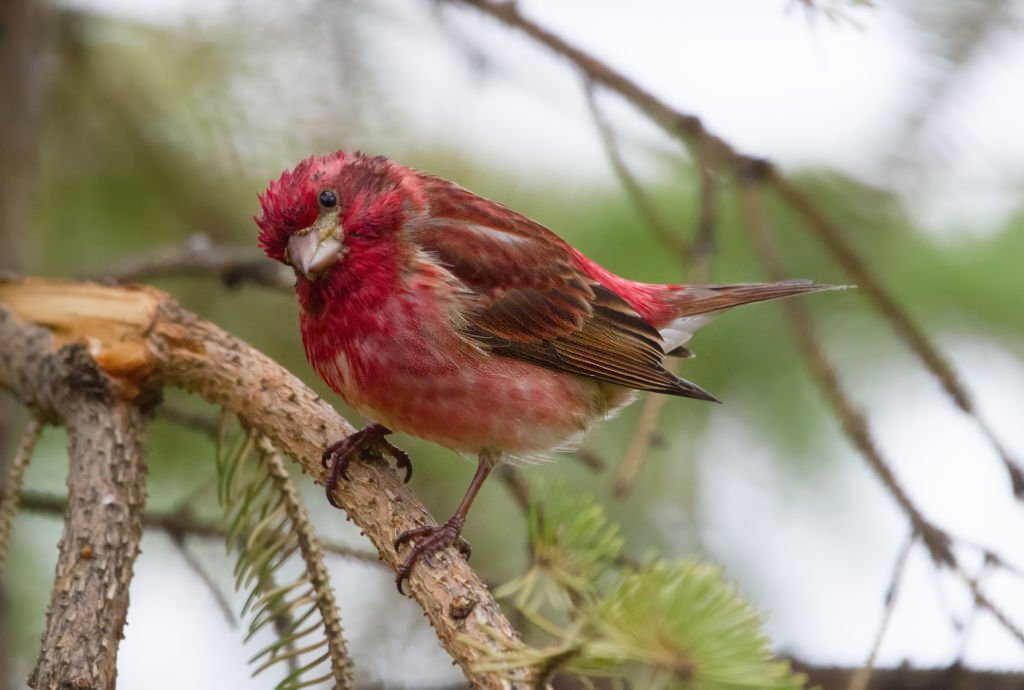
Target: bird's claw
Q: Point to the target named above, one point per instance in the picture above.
(337, 456)
(431, 540)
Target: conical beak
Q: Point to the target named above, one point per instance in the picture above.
(313, 255)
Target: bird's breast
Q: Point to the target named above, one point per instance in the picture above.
(403, 363)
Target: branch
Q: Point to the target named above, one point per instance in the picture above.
(906, 678)
(11, 489)
(199, 256)
(103, 522)
(657, 224)
(179, 524)
(137, 333)
(861, 678)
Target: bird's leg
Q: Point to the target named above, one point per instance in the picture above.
(434, 538)
(337, 455)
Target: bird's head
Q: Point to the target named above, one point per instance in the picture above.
(327, 206)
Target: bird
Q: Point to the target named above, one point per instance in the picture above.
(438, 313)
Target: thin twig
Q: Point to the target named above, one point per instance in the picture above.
(861, 677)
(12, 484)
(659, 227)
(201, 422)
(200, 256)
(181, 523)
(972, 615)
(983, 601)
(178, 539)
(517, 486)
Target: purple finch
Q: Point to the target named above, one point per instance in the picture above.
(438, 313)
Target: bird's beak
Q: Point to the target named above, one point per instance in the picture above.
(312, 254)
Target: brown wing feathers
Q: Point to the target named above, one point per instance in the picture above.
(549, 314)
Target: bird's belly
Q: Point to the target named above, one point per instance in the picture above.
(467, 400)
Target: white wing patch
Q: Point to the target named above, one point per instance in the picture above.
(680, 331)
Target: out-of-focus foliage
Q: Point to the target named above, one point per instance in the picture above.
(662, 624)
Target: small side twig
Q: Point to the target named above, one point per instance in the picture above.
(178, 539)
(183, 523)
(11, 490)
(205, 424)
(659, 227)
(860, 679)
(517, 486)
(200, 256)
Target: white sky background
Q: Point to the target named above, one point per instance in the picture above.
(775, 86)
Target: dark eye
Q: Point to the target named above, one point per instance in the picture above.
(328, 199)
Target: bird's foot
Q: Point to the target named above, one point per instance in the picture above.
(338, 455)
(430, 540)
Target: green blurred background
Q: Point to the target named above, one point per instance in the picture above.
(158, 123)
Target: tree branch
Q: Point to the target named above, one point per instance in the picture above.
(11, 489)
(140, 333)
(180, 524)
(103, 521)
(199, 256)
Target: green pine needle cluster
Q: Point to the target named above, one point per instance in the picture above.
(660, 625)
(270, 531)
(572, 545)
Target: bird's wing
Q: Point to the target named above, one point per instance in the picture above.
(530, 301)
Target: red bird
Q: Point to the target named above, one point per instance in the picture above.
(438, 313)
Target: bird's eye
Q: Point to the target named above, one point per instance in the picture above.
(328, 199)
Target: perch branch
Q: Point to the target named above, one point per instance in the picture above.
(139, 333)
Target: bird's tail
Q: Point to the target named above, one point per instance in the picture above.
(705, 299)
(695, 305)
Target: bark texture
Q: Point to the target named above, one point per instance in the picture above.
(106, 496)
(102, 529)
